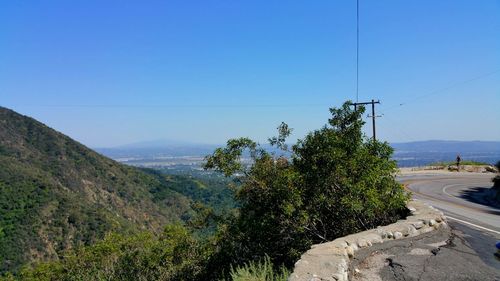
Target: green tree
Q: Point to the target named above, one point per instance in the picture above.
(336, 181)
(174, 255)
(348, 180)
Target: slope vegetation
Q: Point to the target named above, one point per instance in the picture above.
(56, 194)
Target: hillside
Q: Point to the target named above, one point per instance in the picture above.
(56, 194)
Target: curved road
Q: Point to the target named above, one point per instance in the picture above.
(463, 198)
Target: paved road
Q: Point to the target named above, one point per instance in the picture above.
(463, 198)
(458, 195)
(440, 255)
(465, 251)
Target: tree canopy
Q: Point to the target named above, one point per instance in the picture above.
(336, 181)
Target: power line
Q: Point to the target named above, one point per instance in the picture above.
(357, 50)
(394, 127)
(439, 91)
(166, 105)
(435, 92)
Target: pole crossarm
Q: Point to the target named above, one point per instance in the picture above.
(365, 103)
(373, 115)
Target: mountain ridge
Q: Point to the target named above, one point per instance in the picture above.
(448, 146)
(57, 194)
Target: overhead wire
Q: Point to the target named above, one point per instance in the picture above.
(169, 105)
(432, 93)
(441, 90)
(357, 50)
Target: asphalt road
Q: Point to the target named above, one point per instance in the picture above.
(464, 251)
(464, 199)
(440, 255)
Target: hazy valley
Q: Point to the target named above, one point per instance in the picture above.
(183, 158)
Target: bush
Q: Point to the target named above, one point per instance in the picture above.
(175, 255)
(335, 181)
(496, 179)
(259, 271)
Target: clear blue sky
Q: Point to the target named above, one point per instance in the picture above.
(114, 72)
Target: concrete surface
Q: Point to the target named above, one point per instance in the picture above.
(330, 261)
(444, 254)
(404, 251)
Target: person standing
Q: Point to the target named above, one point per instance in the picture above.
(458, 162)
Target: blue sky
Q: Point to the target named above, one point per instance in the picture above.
(114, 72)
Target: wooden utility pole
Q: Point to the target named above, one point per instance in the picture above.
(373, 116)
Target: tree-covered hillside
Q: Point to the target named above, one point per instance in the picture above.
(335, 181)
(56, 194)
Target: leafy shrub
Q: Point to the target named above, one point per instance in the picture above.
(335, 182)
(175, 255)
(259, 271)
(463, 162)
(496, 179)
(496, 182)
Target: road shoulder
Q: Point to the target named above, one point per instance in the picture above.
(444, 254)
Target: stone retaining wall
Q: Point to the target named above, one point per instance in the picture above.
(330, 261)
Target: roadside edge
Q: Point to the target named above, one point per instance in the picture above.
(330, 261)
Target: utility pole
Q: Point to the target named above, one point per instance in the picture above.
(373, 116)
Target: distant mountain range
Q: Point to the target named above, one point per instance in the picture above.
(448, 146)
(154, 149)
(160, 143)
(165, 148)
(407, 154)
(426, 152)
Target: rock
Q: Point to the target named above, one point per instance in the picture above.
(353, 245)
(328, 264)
(315, 278)
(343, 244)
(490, 169)
(426, 230)
(418, 224)
(350, 251)
(362, 243)
(398, 235)
(413, 231)
(302, 262)
(374, 238)
(385, 235)
(337, 277)
(407, 230)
